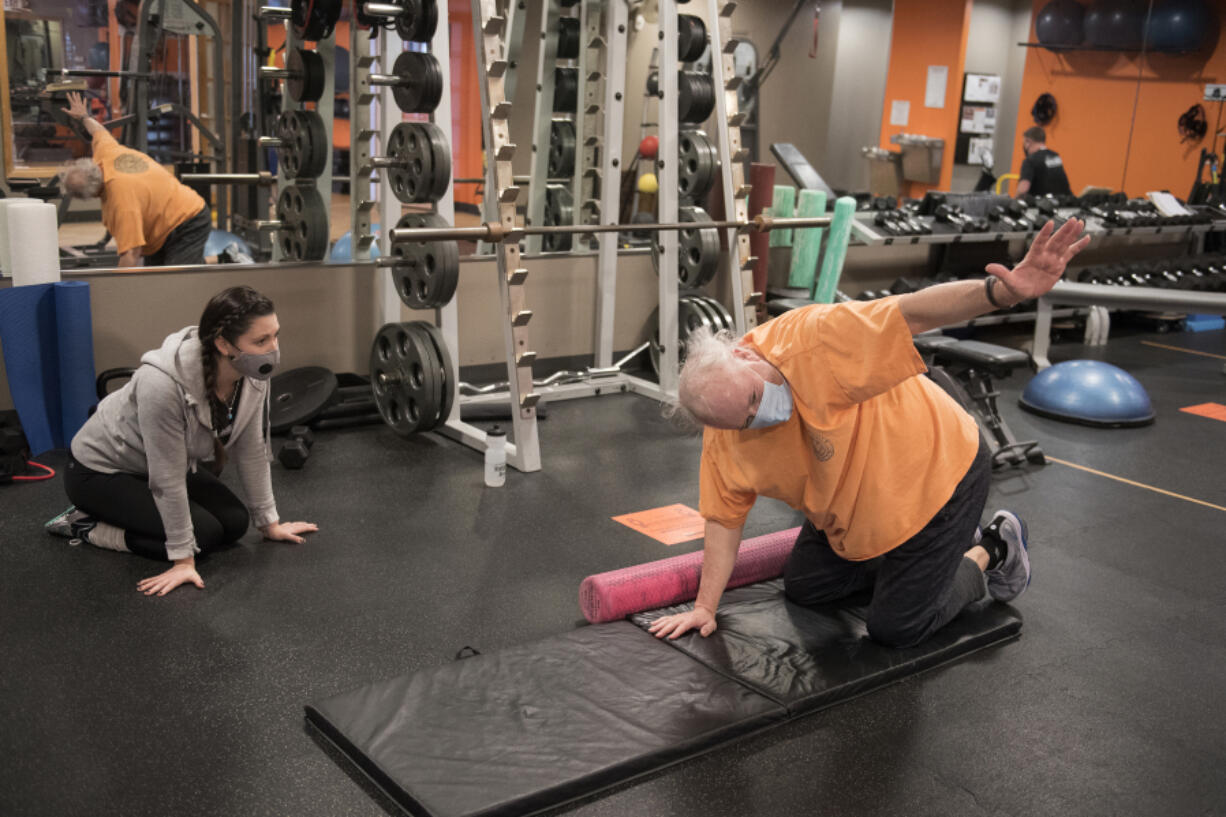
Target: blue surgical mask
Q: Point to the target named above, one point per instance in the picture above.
(775, 406)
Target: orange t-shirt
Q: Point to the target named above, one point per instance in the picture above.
(141, 200)
(873, 449)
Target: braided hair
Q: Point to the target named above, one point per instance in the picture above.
(228, 315)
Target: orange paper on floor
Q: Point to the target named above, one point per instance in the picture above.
(1214, 411)
(671, 524)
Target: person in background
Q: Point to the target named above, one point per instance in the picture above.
(1042, 170)
(153, 217)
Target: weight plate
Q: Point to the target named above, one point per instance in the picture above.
(421, 83)
(559, 210)
(691, 37)
(417, 21)
(724, 315)
(434, 370)
(695, 96)
(314, 19)
(568, 38)
(696, 164)
(565, 90)
(296, 397)
(306, 75)
(698, 249)
(400, 379)
(449, 379)
(691, 316)
(426, 273)
(441, 177)
(303, 153)
(365, 20)
(412, 175)
(561, 149)
(303, 234)
(717, 324)
(433, 373)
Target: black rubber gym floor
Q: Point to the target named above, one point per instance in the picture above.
(1110, 703)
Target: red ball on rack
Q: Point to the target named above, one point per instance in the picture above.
(649, 147)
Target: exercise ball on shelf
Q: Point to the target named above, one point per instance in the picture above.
(1180, 25)
(1089, 392)
(1060, 23)
(1117, 24)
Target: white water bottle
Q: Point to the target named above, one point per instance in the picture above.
(495, 457)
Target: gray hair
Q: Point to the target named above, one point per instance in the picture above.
(709, 359)
(81, 178)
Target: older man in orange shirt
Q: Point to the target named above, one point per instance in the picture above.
(154, 219)
(826, 409)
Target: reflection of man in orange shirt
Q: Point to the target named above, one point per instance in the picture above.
(824, 409)
(151, 215)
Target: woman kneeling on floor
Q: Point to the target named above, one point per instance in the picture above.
(143, 475)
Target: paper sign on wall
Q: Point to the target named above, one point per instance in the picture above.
(900, 112)
(934, 93)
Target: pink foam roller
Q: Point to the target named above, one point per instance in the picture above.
(619, 593)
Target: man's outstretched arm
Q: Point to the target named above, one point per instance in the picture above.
(957, 301)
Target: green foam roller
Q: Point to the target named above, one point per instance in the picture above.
(836, 251)
(807, 245)
(783, 205)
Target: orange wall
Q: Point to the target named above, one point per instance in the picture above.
(927, 32)
(1093, 130)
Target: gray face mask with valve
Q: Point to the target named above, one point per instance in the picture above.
(258, 367)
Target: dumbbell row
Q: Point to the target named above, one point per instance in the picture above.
(1202, 274)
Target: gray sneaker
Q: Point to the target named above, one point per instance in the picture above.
(72, 524)
(1011, 577)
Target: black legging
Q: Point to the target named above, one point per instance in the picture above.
(125, 501)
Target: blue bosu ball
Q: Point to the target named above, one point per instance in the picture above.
(1089, 392)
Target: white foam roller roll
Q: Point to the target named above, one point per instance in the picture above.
(34, 246)
(6, 266)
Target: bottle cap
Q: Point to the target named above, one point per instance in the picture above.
(495, 432)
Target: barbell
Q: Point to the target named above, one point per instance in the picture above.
(495, 232)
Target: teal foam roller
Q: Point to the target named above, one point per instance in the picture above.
(836, 251)
(783, 205)
(807, 242)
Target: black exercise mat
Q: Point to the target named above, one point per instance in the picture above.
(809, 658)
(531, 727)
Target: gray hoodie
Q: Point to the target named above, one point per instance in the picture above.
(159, 424)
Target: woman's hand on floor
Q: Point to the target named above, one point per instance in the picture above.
(183, 572)
(289, 531)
